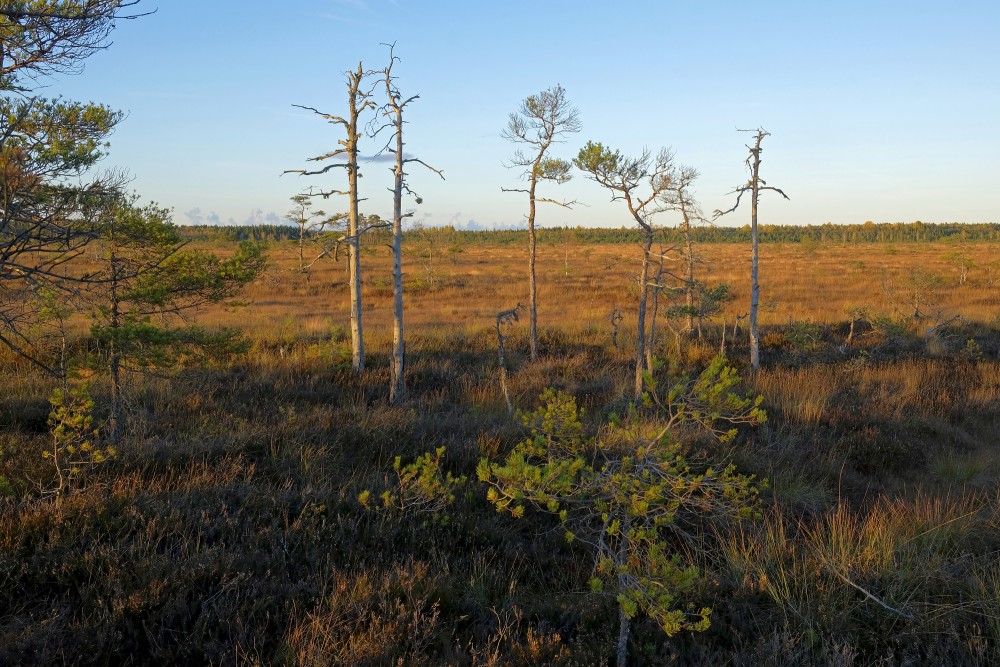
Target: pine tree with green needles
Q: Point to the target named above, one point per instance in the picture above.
(629, 493)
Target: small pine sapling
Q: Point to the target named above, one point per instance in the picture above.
(629, 492)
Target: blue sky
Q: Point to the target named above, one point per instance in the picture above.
(884, 111)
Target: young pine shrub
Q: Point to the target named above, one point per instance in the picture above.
(421, 487)
(75, 438)
(630, 493)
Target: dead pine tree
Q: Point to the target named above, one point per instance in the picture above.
(754, 186)
(541, 121)
(393, 111)
(506, 318)
(310, 223)
(678, 197)
(624, 176)
(359, 100)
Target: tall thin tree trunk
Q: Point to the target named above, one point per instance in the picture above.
(689, 251)
(640, 340)
(357, 328)
(532, 280)
(354, 247)
(115, 416)
(754, 282)
(353, 228)
(624, 622)
(651, 344)
(302, 249)
(114, 357)
(397, 388)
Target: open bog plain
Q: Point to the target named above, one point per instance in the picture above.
(267, 505)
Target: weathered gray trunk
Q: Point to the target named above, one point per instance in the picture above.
(114, 356)
(689, 251)
(640, 340)
(397, 388)
(651, 343)
(754, 282)
(302, 248)
(624, 622)
(532, 281)
(354, 266)
(115, 414)
(354, 244)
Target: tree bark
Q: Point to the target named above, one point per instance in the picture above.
(689, 251)
(354, 246)
(532, 280)
(114, 354)
(651, 343)
(397, 388)
(640, 340)
(754, 244)
(624, 622)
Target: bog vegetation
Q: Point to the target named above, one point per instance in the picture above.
(228, 528)
(217, 452)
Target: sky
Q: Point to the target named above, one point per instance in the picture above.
(879, 110)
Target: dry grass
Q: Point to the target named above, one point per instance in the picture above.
(228, 531)
(579, 285)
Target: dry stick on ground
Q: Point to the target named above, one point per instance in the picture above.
(933, 331)
(840, 575)
(506, 317)
(359, 100)
(754, 186)
(393, 110)
(540, 122)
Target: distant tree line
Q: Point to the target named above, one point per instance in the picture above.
(234, 233)
(869, 232)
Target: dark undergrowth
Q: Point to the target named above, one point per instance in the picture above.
(228, 529)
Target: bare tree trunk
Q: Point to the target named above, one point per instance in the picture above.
(302, 248)
(689, 251)
(354, 247)
(651, 345)
(754, 186)
(114, 357)
(754, 260)
(357, 328)
(532, 281)
(624, 622)
(640, 340)
(397, 388)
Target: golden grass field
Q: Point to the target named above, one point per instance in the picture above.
(461, 287)
(228, 531)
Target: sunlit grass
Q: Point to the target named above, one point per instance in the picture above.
(229, 531)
